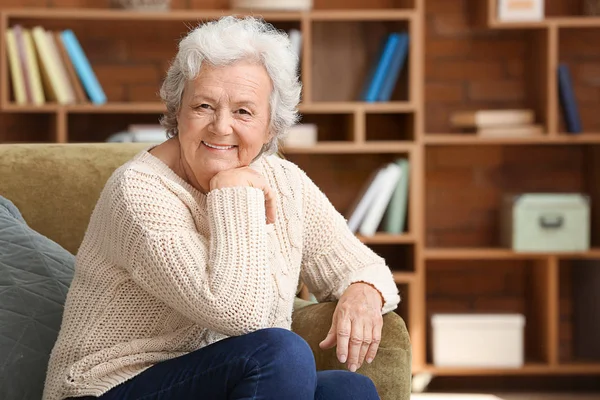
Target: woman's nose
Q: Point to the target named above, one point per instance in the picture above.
(222, 123)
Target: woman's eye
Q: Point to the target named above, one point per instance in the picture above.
(243, 111)
(204, 105)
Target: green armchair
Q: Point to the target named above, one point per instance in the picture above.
(55, 186)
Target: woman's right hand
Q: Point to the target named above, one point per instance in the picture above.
(246, 176)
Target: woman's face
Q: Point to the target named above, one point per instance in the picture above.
(224, 118)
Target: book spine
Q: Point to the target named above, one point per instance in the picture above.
(83, 67)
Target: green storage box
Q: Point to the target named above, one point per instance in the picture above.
(546, 222)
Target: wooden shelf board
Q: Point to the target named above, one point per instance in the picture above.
(561, 22)
(117, 14)
(353, 147)
(471, 139)
(527, 369)
(361, 15)
(501, 253)
(386, 238)
(193, 15)
(354, 106)
(403, 277)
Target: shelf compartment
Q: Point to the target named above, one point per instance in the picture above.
(493, 286)
(579, 328)
(331, 127)
(386, 127)
(483, 69)
(342, 55)
(28, 128)
(341, 176)
(129, 70)
(86, 128)
(400, 258)
(471, 181)
(579, 49)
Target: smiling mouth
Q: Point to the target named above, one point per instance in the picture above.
(217, 147)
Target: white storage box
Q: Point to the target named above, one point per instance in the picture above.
(478, 340)
(546, 222)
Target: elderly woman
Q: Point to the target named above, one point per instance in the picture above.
(185, 280)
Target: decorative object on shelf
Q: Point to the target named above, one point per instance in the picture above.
(478, 340)
(279, 5)
(520, 10)
(546, 222)
(301, 135)
(497, 123)
(143, 5)
(146, 133)
(591, 7)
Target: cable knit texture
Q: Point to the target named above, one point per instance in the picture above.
(164, 270)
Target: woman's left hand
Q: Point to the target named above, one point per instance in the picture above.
(356, 326)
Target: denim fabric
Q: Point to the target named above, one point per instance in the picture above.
(270, 363)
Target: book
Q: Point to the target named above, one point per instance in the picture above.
(33, 69)
(63, 77)
(48, 69)
(568, 101)
(363, 201)
(16, 73)
(83, 67)
(492, 118)
(20, 43)
(384, 193)
(396, 65)
(394, 220)
(511, 131)
(379, 69)
(74, 81)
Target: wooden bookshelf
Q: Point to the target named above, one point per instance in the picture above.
(456, 179)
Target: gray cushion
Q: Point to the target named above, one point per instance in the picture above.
(35, 274)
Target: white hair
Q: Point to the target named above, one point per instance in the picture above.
(223, 42)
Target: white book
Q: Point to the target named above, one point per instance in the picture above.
(375, 214)
(365, 201)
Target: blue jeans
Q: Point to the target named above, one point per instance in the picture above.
(270, 363)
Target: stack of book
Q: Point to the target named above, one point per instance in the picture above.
(384, 72)
(383, 201)
(47, 66)
(497, 123)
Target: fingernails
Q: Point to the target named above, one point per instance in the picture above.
(369, 360)
(343, 358)
(352, 367)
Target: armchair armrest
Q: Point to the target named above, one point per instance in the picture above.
(391, 368)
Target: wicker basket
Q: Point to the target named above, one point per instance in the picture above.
(143, 5)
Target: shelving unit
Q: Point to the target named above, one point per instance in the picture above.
(456, 180)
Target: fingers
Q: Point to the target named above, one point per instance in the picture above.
(356, 342)
(376, 339)
(366, 343)
(344, 328)
(329, 340)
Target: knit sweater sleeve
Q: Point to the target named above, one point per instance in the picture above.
(333, 257)
(222, 283)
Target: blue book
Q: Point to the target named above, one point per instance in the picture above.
(567, 100)
(398, 59)
(83, 67)
(379, 71)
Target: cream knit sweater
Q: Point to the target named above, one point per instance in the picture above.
(164, 270)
